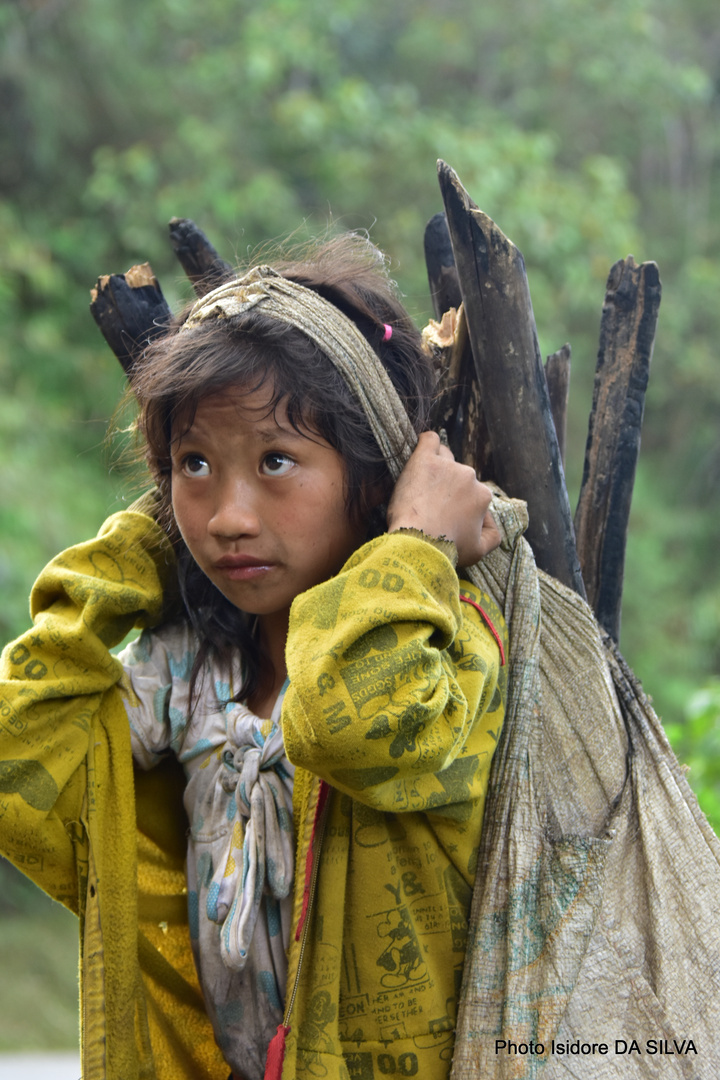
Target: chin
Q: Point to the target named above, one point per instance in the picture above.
(249, 604)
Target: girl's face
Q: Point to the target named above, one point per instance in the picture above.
(260, 506)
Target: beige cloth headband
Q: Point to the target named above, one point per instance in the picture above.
(336, 335)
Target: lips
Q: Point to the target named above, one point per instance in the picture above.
(230, 562)
(242, 567)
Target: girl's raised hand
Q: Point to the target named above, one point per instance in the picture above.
(443, 498)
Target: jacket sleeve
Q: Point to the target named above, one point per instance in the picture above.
(57, 679)
(393, 694)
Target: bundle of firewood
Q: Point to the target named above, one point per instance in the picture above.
(502, 410)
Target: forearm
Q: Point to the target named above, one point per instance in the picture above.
(386, 677)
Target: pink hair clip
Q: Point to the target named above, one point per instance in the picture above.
(388, 332)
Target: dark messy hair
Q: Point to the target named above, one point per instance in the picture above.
(252, 350)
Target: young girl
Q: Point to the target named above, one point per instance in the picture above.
(331, 688)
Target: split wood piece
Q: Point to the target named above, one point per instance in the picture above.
(475, 447)
(198, 258)
(130, 310)
(627, 334)
(457, 409)
(512, 381)
(448, 344)
(440, 262)
(557, 373)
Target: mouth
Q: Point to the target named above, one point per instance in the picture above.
(242, 567)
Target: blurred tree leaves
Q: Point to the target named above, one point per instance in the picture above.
(586, 131)
(697, 743)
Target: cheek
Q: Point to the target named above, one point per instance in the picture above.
(318, 522)
(329, 515)
(185, 514)
(176, 502)
(345, 533)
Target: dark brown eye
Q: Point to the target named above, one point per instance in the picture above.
(277, 464)
(195, 465)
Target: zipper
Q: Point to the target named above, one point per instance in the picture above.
(317, 839)
(276, 1049)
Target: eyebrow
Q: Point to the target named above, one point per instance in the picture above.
(267, 434)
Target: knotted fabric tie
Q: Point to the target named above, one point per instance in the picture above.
(259, 857)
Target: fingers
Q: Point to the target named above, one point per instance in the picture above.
(443, 497)
(489, 537)
(429, 442)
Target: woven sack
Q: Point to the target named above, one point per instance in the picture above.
(595, 909)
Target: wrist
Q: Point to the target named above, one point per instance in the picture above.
(447, 547)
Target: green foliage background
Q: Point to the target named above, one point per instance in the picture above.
(586, 130)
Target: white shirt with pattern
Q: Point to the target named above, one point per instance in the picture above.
(240, 856)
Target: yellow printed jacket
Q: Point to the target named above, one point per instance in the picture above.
(391, 718)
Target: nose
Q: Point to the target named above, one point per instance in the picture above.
(236, 512)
